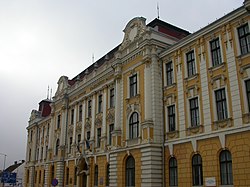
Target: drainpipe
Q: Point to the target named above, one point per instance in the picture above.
(163, 127)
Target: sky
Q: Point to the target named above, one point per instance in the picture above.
(41, 40)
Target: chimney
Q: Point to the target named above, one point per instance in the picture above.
(15, 162)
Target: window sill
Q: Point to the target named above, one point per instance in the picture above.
(225, 185)
(172, 134)
(222, 124)
(241, 56)
(134, 141)
(246, 118)
(195, 130)
(170, 86)
(216, 67)
(192, 77)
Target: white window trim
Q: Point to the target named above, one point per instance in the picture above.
(166, 118)
(245, 104)
(209, 51)
(165, 72)
(188, 111)
(139, 126)
(138, 83)
(185, 61)
(236, 35)
(214, 103)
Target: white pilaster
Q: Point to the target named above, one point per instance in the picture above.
(148, 92)
(92, 137)
(205, 93)
(104, 113)
(234, 84)
(83, 120)
(63, 126)
(118, 104)
(74, 127)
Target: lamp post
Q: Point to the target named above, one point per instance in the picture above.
(3, 164)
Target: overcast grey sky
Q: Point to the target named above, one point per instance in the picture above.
(40, 40)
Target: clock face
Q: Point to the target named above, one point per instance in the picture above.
(133, 33)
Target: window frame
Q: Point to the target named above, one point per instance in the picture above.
(89, 107)
(227, 163)
(58, 121)
(96, 175)
(133, 81)
(173, 172)
(130, 172)
(215, 52)
(134, 126)
(169, 73)
(80, 113)
(100, 107)
(244, 38)
(197, 167)
(72, 116)
(110, 133)
(221, 103)
(194, 112)
(247, 92)
(191, 66)
(112, 97)
(98, 137)
(171, 118)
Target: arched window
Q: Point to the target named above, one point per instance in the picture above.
(75, 176)
(173, 174)
(130, 172)
(107, 176)
(57, 146)
(197, 170)
(67, 176)
(96, 176)
(226, 172)
(133, 126)
(52, 173)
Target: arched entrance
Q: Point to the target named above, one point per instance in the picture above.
(82, 171)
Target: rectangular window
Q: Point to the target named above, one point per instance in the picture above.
(46, 152)
(80, 113)
(169, 73)
(215, 52)
(111, 128)
(194, 112)
(41, 156)
(221, 104)
(190, 63)
(248, 93)
(112, 98)
(133, 85)
(244, 39)
(72, 116)
(99, 130)
(171, 118)
(79, 138)
(88, 135)
(58, 121)
(89, 108)
(100, 104)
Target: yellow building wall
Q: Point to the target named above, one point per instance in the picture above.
(209, 149)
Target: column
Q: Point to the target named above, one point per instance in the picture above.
(148, 91)
(46, 175)
(60, 172)
(104, 114)
(83, 122)
(92, 133)
(74, 124)
(157, 102)
(51, 130)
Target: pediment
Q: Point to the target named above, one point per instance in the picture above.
(62, 85)
(133, 30)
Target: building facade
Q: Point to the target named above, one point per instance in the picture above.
(163, 108)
